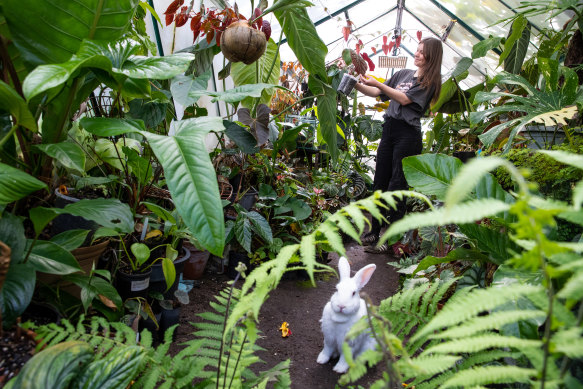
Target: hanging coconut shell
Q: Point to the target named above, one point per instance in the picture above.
(242, 43)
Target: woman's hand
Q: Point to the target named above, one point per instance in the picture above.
(369, 80)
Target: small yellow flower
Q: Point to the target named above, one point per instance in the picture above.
(285, 331)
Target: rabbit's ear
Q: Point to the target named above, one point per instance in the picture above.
(363, 275)
(344, 268)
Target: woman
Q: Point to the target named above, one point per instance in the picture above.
(410, 92)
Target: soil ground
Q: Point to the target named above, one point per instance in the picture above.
(301, 305)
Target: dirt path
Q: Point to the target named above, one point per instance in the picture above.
(301, 306)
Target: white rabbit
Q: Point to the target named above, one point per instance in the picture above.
(343, 310)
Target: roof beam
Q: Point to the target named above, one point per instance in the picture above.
(460, 21)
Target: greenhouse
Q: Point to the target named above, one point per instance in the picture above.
(291, 194)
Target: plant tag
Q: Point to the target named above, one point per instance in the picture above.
(140, 285)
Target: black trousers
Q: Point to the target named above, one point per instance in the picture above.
(399, 140)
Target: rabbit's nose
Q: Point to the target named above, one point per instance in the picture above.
(341, 307)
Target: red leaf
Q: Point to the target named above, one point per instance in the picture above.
(384, 40)
(419, 35)
(209, 36)
(266, 28)
(368, 61)
(169, 19)
(195, 34)
(391, 45)
(181, 18)
(374, 50)
(398, 41)
(346, 32)
(195, 22)
(386, 49)
(218, 36)
(173, 7)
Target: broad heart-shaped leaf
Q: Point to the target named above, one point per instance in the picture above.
(431, 174)
(12, 102)
(515, 33)
(243, 232)
(16, 184)
(182, 85)
(496, 245)
(326, 113)
(234, 95)
(56, 36)
(261, 226)
(513, 63)
(17, 291)
(157, 68)
(257, 124)
(247, 74)
(70, 240)
(169, 271)
(481, 48)
(106, 127)
(454, 255)
(48, 257)
(304, 40)
(92, 287)
(70, 155)
(241, 136)
(192, 180)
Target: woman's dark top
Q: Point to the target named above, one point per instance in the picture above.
(404, 81)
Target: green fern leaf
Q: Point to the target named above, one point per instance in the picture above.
(462, 307)
(572, 289)
(481, 342)
(467, 212)
(346, 226)
(489, 375)
(330, 231)
(354, 212)
(569, 342)
(424, 367)
(308, 252)
(483, 323)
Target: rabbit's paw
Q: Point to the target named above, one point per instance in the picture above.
(341, 367)
(323, 358)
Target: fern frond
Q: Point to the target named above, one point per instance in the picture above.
(462, 307)
(490, 375)
(481, 342)
(463, 213)
(490, 322)
(424, 367)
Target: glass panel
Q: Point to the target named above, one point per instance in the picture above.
(542, 21)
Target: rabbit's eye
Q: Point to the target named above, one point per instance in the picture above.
(353, 293)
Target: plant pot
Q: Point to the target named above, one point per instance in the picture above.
(148, 324)
(347, 84)
(66, 222)
(543, 137)
(157, 280)
(132, 285)
(194, 267)
(464, 156)
(168, 318)
(249, 199)
(86, 257)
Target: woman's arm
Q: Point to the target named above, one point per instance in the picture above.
(370, 91)
(370, 83)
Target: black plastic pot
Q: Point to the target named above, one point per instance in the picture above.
(249, 199)
(66, 222)
(157, 280)
(132, 285)
(168, 319)
(464, 156)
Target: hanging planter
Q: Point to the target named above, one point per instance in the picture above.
(242, 43)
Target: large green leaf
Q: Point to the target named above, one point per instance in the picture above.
(191, 179)
(498, 246)
(182, 85)
(326, 113)
(258, 72)
(481, 48)
(57, 34)
(303, 39)
(17, 291)
(110, 213)
(241, 136)
(431, 174)
(12, 102)
(16, 184)
(106, 127)
(70, 155)
(92, 287)
(115, 59)
(71, 239)
(234, 95)
(513, 62)
(48, 257)
(12, 233)
(514, 35)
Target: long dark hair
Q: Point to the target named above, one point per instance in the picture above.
(431, 71)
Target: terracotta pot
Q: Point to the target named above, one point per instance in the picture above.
(87, 257)
(194, 267)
